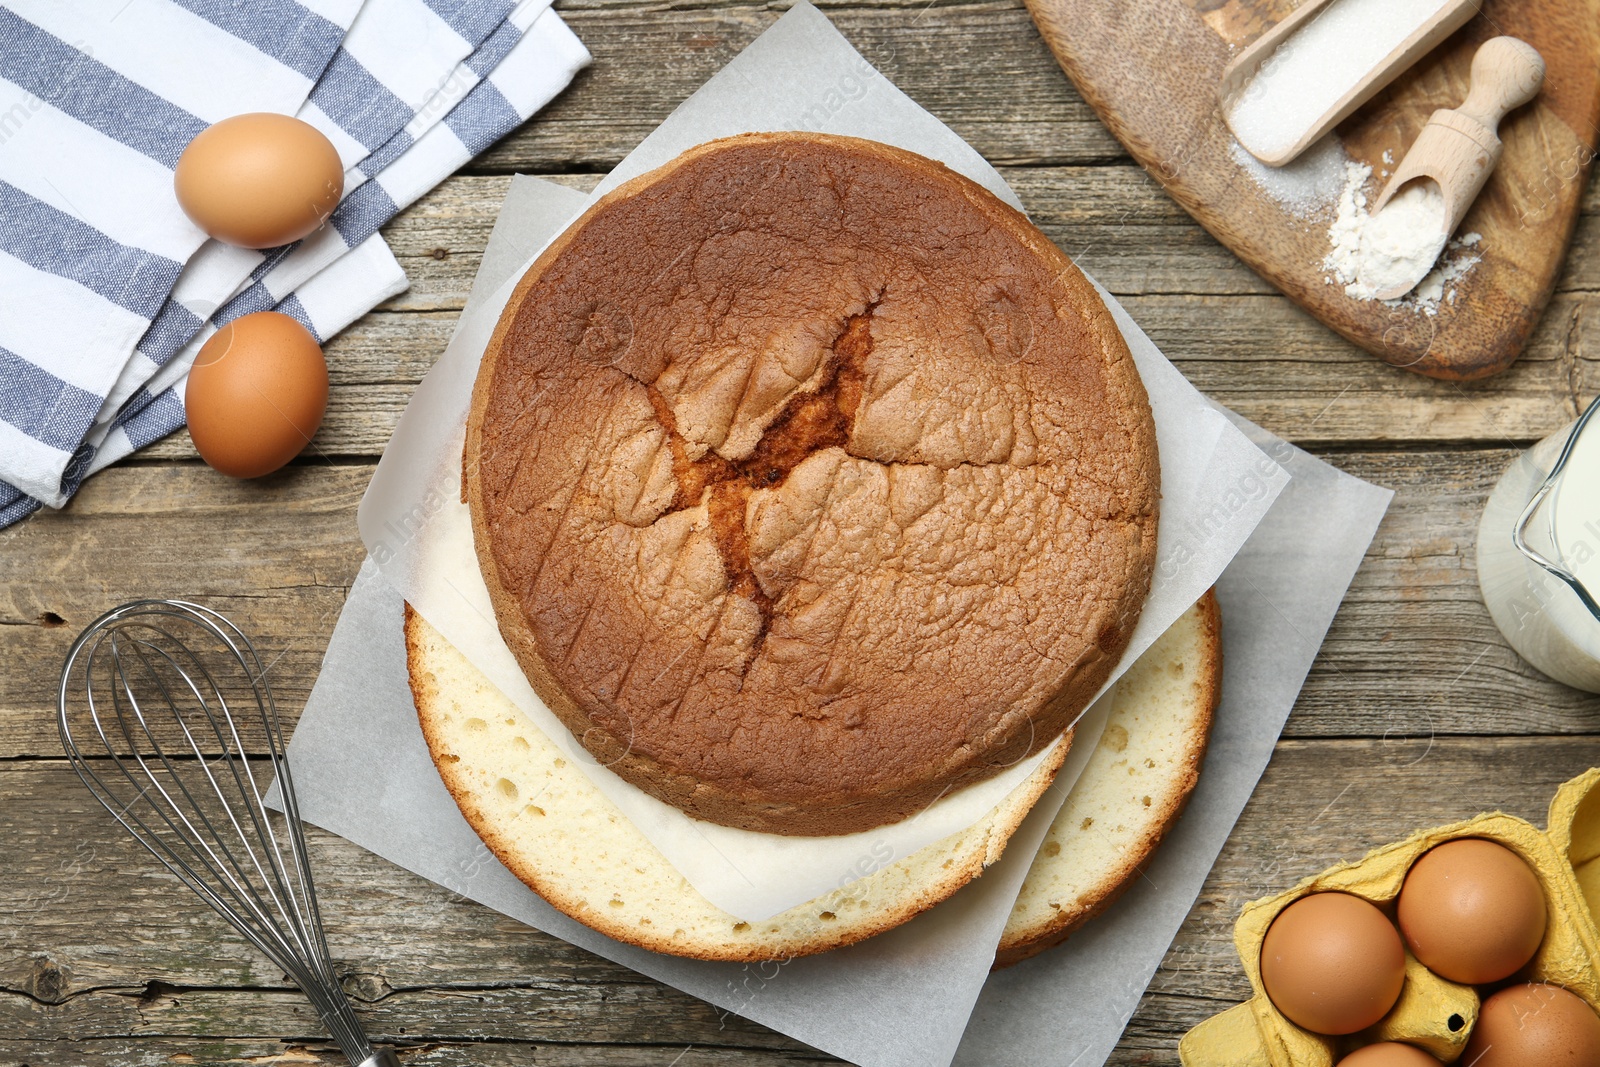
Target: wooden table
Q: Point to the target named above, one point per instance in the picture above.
(1416, 713)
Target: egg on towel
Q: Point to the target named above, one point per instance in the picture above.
(259, 180)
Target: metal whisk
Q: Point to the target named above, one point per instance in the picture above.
(167, 717)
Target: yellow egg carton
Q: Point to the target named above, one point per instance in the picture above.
(1432, 1013)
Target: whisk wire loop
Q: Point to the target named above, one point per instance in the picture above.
(237, 881)
(152, 709)
(274, 877)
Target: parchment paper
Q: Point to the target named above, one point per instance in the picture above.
(903, 999)
(800, 74)
(1067, 1007)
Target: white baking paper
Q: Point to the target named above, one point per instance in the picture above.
(903, 999)
(800, 74)
(1069, 1006)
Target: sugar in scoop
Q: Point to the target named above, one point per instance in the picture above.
(1322, 63)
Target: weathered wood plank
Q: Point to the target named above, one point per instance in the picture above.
(982, 68)
(164, 1051)
(277, 555)
(1274, 364)
(1413, 652)
(635, 1013)
(96, 927)
(1115, 219)
(1259, 355)
(1227, 329)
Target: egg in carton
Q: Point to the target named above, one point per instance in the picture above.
(1432, 1013)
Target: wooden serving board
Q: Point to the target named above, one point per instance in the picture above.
(1150, 69)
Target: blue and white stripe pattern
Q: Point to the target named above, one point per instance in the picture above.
(324, 305)
(109, 288)
(219, 272)
(528, 75)
(414, 46)
(96, 104)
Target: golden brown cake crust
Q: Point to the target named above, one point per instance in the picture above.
(810, 482)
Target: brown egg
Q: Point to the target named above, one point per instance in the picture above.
(1535, 1026)
(1333, 963)
(1389, 1054)
(259, 180)
(1472, 911)
(256, 394)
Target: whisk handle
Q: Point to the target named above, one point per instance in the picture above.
(381, 1058)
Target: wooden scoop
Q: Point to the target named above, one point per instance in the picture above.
(1459, 149)
(1237, 76)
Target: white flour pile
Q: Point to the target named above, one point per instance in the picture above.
(1373, 253)
(1402, 242)
(1322, 61)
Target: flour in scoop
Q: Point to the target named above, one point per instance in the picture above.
(1307, 75)
(1372, 253)
(1400, 244)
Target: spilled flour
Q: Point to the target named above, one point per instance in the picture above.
(1373, 253)
(1402, 242)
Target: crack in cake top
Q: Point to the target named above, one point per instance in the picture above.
(810, 483)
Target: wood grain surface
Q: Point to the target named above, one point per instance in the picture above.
(1151, 69)
(1416, 712)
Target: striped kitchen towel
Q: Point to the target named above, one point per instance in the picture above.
(519, 67)
(328, 302)
(98, 100)
(220, 271)
(527, 77)
(325, 304)
(487, 66)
